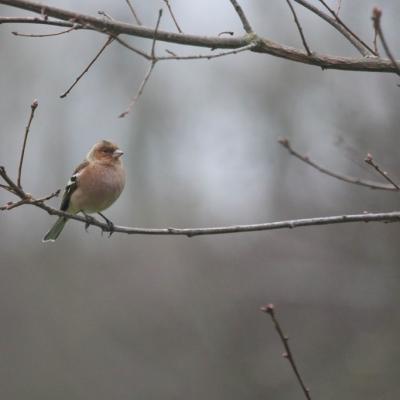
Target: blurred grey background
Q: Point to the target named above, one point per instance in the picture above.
(169, 317)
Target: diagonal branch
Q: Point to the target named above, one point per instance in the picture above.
(349, 179)
(173, 16)
(154, 60)
(21, 160)
(245, 22)
(339, 20)
(270, 310)
(128, 2)
(370, 161)
(108, 42)
(349, 35)
(299, 28)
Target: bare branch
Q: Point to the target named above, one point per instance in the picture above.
(190, 232)
(349, 179)
(350, 36)
(336, 16)
(210, 56)
(21, 160)
(300, 29)
(130, 47)
(149, 71)
(270, 310)
(129, 3)
(139, 92)
(338, 5)
(370, 161)
(245, 22)
(108, 41)
(264, 46)
(376, 18)
(173, 16)
(5, 187)
(35, 35)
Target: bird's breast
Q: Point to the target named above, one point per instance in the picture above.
(98, 187)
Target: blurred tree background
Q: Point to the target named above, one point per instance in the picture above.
(169, 317)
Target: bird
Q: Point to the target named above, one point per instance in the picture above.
(95, 184)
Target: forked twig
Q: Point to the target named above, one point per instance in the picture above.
(349, 179)
(108, 42)
(376, 18)
(270, 310)
(153, 62)
(21, 160)
(173, 16)
(340, 21)
(300, 29)
(370, 161)
(339, 26)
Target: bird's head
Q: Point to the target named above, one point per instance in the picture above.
(105, 151)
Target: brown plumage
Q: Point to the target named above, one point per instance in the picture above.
(95, 184)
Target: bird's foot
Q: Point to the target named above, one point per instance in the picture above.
(89, 221)
(110, 225)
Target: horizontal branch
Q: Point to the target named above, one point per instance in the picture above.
(262, 45)
(28, 199)
(190, 232)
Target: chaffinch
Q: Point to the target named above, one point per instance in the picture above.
(95, 184)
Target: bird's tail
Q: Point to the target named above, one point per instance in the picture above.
(55, 230)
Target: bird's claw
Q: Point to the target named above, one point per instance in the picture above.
(109, 229)
(110, 226)
(89, 221)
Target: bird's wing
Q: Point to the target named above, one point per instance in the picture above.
(72, 185)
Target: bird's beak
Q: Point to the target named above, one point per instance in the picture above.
(117, 153)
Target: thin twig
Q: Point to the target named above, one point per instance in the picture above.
(108, 42)
(139, 92)
(245, 22)
(336, 16)
(300, 29)
(375, 42)
(339, 26)
(130, 47)
(376, 18)
(338, 5)
(12, 186)
(173, 16)
(370, 161)
(21, 160)
(5, 187)
(35, 35)
(270, 310)
(349, 179)
(206, 56)
(149, 71)
(28, 200)
(128, 2)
